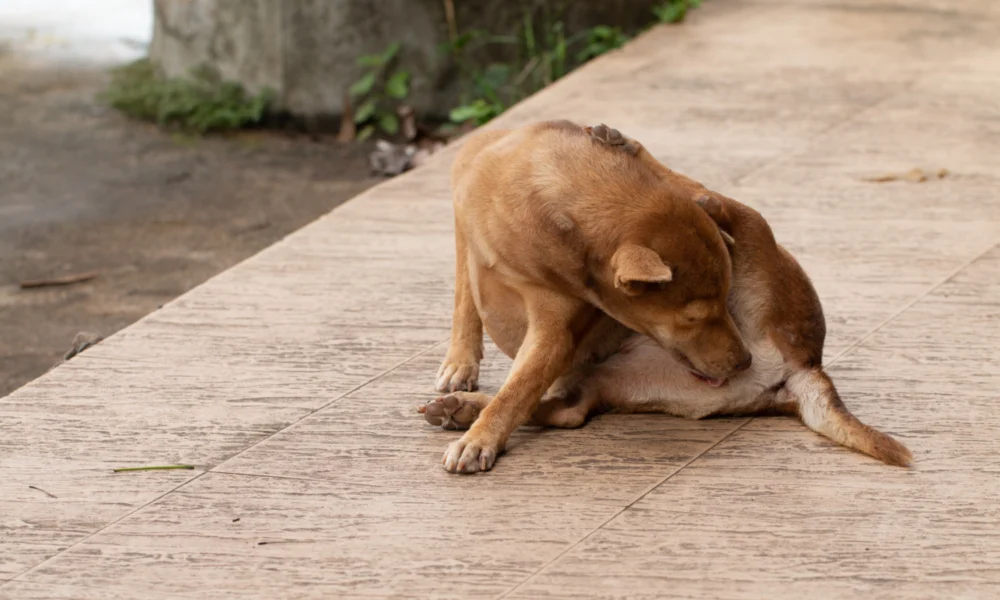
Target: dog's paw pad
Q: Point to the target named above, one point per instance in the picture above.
(451, 412)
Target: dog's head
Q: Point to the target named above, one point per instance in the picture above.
(672, 285)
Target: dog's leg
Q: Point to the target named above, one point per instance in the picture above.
(566, 403)
(545, 354)
(460, 369)
(569, 411)
(460, 410)
(603, 338)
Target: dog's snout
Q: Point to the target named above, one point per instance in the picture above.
(745, 362)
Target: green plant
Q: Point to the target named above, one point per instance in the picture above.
(540, 53)
(674, 11)
(545, 54)
(479, 110)
(378, 91)
(540, 57)
(490, 95)
(201, 103)
(600, 40)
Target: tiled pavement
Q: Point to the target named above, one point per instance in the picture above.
(291, 379)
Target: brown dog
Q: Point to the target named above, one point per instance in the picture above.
(779, 317)
(554, 231)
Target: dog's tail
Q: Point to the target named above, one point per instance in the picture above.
(822, 410)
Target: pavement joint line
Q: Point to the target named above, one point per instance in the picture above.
(965, 265)
(865, 337)
(332, 402)
(104, 528)
(622, 510)
(881, 325)
(736, 183)
(128, 514)
(239, 473)
(746, 422)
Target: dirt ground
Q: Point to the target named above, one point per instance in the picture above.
(154, 213)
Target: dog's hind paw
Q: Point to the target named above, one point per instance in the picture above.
(612, 137)
(454, 411)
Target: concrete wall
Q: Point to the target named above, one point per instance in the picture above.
(241, 38)
(306, 49)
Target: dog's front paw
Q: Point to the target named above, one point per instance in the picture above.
(469, 454)
(458, 376)
(454, 411)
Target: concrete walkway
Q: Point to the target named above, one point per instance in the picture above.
(76, 32)
(290, 380)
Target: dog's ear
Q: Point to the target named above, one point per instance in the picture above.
(715, 209)
(637, 268)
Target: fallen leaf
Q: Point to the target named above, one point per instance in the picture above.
(54, 281)
(913, 176)
(156, 468)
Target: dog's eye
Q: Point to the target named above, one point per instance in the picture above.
(695, 311)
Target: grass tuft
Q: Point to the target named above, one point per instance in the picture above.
(202, 103)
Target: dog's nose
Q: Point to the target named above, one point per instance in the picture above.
(745, 363)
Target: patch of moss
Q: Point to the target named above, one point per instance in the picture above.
(201, 103)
